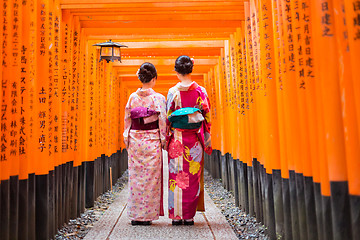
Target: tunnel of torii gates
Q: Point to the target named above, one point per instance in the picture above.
(283, 81)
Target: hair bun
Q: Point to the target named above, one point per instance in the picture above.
(184, 65)
(147, 72)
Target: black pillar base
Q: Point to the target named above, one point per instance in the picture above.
(223, 171)
(74, 192)
(231, 172)
(42, 206)
(319, 209)
(238, 190)
(355, 216)
(32, 207)
(251, 190)
(340, 206)
(287, 209)
(23, 209)
(326, 218)
(5, 210)
(294, 206)
(90, 184)
(81, 196)
(14, 207)
(236, 181)
(299, 178)
(312, 232)
(51, 204)
(278, 202)
(256, 190)
(218, 164)
(244, 188)
(269, 206)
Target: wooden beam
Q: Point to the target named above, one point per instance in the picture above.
(161, 24)
(123, 37)
(173, 44)
(64, 2)
(161, 78)
(159, 61)
(167, 16)
(76, 6)
(170, 52)
(163, 69)
(164, 74)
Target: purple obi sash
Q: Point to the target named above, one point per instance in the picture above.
(143, 118)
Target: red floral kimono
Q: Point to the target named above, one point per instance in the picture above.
(186, 152)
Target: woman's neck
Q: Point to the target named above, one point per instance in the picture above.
(146, 86)
(185, 79)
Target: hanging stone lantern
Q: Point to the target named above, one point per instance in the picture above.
(110, 51)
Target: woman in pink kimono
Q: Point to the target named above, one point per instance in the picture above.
(188, 136)
(144, 136)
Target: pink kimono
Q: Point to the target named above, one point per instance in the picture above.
(186, 152)
(144, 136)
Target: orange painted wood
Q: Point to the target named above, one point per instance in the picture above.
(6, 158)
(348, 103)
(220, 105)
(143, 1)
(310, 89)
(51, 86)
(291, 107)
(251, 84)
(1, 74)
(279, 75)
(57, 123)
(150, 6)
(14, 87)
(268, 74)
(171, 16)
(154, 31)
(65, 93)
(352, 11)
(326, 70)
(171, 52)
(161, 24)
(42, 87)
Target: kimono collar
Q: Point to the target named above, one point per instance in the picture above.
(145, 92)
(192, 86)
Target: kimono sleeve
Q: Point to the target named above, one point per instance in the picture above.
(207, 122)
(127, 122)
(170, 108)
(162, 120)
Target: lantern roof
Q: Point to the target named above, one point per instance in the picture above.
(109, 44)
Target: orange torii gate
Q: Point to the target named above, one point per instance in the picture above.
(281, 76)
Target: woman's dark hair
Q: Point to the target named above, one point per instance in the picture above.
(147, 72)
(184, 65)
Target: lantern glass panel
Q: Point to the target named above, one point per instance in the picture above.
(106, 51)
(116, 52)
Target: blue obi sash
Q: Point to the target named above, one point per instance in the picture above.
(186, 118)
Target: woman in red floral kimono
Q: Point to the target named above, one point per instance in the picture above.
(188, 136)
(144, 136)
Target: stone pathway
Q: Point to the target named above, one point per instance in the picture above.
(114, 224)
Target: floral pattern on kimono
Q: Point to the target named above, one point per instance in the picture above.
(144, 147)
(185, 150)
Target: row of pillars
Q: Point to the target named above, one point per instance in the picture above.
(285, 99)
(60, 120)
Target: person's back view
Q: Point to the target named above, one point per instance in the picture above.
(188, 111)
(144, 136)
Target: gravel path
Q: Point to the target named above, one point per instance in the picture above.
(79, 227)
(243, 225)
